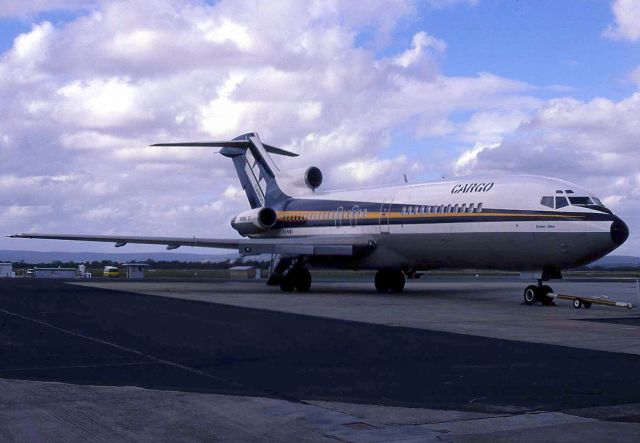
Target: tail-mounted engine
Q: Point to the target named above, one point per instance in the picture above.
(297, 179)
(313, 177)
(255, 221)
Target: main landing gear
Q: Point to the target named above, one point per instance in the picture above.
(388, 280)
(290, 274)
(298, 278)
(533, 294)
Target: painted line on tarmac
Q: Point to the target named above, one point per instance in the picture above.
(104, 365)
(145, 355)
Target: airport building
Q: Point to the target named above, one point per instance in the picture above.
(135, 270)
(55, 272)
(244, 273)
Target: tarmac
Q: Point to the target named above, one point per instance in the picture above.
(450, 360)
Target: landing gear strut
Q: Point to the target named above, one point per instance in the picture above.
(388, 280)
(533, 294)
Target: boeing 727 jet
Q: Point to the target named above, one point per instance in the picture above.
(536, 225)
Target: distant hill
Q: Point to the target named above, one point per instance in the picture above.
(612, 261)
(121, 257)
(47, 257)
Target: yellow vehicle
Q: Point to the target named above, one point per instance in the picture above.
(111, 271)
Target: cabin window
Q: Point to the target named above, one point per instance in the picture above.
(404, 210)
(455, 208)
(561, 202)
(463, 208)
(471, 207)
(416, 209)
(364, 212)
(547, 201)
(479, 207)
(580, 201)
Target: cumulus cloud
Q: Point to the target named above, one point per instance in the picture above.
(627, 21)
(24, 8)
(87, 96)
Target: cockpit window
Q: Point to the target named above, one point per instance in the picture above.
(568, 191)
(547, 201)
(580, 201)
(598, 201)
(561, 202)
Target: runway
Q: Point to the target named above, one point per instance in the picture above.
(450, 360)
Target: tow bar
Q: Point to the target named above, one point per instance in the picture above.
(580, 301)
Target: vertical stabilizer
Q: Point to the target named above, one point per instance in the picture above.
(256, 169)
(257, 172)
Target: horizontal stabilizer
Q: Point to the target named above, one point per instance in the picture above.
(231, 144)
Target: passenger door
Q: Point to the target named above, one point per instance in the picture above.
(385, 209)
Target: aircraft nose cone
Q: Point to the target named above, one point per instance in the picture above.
(619, 231)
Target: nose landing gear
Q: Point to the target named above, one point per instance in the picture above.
(538, 293)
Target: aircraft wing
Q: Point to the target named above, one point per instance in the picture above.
(311, 245)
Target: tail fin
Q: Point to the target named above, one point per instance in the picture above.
(255, 168)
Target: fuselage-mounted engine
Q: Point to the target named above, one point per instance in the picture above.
(255, 221)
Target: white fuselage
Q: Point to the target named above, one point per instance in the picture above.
(475, 222)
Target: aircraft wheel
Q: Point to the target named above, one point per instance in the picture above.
(577, 303)
(303, 280)
(397, 282)
(587, 304)
(382, 281)
(530, 295)
(287, 284)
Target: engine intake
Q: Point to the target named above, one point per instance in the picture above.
(313, 177)
(255, 221)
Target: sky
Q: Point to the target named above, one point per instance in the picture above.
(430, 88)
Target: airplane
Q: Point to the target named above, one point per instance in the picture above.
(536, 225)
